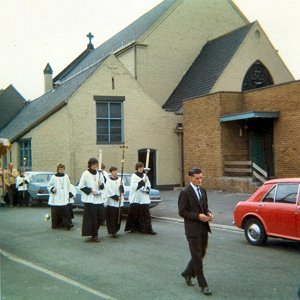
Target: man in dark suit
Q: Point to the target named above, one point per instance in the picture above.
(193, 207)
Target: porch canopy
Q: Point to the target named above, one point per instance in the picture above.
(250, 116)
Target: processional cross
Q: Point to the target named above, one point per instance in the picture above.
(123, 147)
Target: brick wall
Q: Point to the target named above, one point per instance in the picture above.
(286, 99)
(207, 143)
(202, 134)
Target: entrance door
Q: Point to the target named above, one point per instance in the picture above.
(261, 145)
(256, 147)
(142, 153)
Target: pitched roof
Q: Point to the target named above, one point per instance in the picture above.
(123, 38)
(11, 102)
(77, 72)
(38, 110)
(207, 68)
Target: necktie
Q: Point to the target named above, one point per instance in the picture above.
(200, 198)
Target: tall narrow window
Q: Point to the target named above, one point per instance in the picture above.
(113, 83)
(109, 117)
(25, 159)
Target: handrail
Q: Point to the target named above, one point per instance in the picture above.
(263, 176)
(247, 167)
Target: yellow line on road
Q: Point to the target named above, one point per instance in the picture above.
(55, 275)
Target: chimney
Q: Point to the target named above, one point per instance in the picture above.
(48, 80)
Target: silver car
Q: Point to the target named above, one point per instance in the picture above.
(37, 188)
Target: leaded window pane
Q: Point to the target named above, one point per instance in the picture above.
(102, 110)
(257, 76)
(25, 152)
(115, 110)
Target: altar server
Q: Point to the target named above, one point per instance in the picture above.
(91, 185)
(139, 218)
(114, 192)
(60, 192)
(22, 186)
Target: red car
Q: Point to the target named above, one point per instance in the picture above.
(273, 210)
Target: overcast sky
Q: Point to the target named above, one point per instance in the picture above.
(35, 32)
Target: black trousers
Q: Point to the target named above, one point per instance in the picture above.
(198, 246)
(23, 198)
(92, 216)
(60, 217)
(112, 216)
(11, 192)
(139, 218)
(70, 207)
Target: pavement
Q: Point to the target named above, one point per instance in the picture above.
(38, 262)
(221, 204)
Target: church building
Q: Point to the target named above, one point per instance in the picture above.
(132, 90)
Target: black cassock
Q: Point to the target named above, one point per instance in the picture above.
(139, 218)
(112, 216)
(60, 217)
(92, 217)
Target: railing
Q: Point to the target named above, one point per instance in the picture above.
(245, 168)
(259, 173)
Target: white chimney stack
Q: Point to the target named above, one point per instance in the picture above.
(48, 80)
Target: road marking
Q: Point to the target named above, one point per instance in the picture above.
(55, 275)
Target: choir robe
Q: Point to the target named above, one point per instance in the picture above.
(139, 218)
(22, 186)
(60, 214)
(93, 204)
(112, 188)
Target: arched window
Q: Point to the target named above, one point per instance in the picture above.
(257, 76)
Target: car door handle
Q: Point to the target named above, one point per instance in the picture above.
(260, 205)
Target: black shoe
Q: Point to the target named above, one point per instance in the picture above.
(152, 232)
(188, 279)
(95, 239)
(70, 226)
(115, 236)
(206, 291)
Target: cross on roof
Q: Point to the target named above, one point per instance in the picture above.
(90, 37)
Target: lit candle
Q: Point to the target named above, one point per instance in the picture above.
(100, 158)
(147, 158)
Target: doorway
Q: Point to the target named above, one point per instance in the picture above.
(261, 136)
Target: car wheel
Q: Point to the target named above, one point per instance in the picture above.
(254, 232)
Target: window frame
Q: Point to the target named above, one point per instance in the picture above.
(110, 100)
(275, 188)
(23, 152)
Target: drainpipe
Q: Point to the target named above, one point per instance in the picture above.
(179, 131)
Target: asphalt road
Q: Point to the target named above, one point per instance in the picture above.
(220, 203)
(40, 263)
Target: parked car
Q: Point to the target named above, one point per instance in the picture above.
(272, 211)
(155, 196)
(37, 187)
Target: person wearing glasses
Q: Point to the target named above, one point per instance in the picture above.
(193, 208)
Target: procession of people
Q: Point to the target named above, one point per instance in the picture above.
(103, 196)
